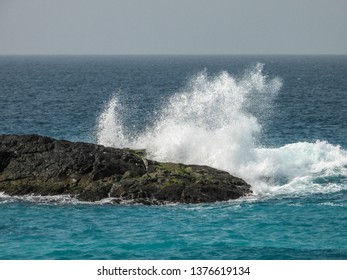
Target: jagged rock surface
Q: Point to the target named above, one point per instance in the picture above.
(33, 164)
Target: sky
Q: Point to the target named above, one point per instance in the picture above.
(173, 27)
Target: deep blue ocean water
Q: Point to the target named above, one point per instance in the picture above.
(279, 122)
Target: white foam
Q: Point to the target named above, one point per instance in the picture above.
(50, 199)
(298, 168)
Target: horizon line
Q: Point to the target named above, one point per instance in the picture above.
(178, 54)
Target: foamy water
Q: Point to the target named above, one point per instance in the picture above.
(215, 121)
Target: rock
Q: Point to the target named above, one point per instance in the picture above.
(33, 164)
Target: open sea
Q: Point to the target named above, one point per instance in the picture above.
(278, 122)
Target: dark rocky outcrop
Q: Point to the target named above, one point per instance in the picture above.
(33, 164)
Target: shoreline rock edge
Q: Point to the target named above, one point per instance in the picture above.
(39, 165)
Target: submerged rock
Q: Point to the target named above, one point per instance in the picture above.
(33, 164)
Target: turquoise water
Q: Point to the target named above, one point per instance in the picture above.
(282, 228)
(281, 125)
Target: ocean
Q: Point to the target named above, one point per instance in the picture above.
(278, 122)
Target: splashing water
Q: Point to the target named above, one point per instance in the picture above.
(110, 131)
(215, 122)
(298, 168)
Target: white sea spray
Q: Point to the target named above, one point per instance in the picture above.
(216, 121)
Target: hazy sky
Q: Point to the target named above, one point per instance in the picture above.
(173, 26)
